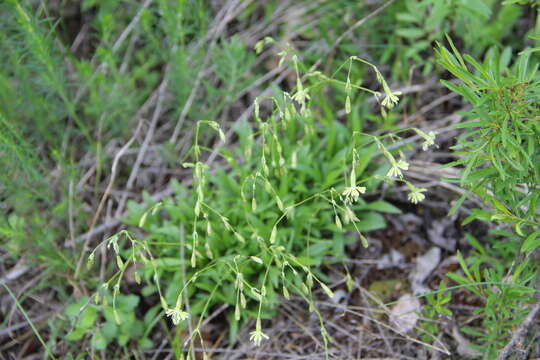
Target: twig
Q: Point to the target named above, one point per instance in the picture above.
(387, 343)
(145, 144)
(108, 225)
(18, 270)
(114, 169)
(432, 105)
(24, 324)
(516, 342)
(34, 329)
(116, 221)
(345, 309)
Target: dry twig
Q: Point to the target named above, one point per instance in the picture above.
(516, 343)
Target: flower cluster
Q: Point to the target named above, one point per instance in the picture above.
(415, 196)
(177, 315)
(390, 97)
(352, 193)
(397, 166)
(257, 336)
(429, 138)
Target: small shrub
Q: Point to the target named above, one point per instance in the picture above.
(500, 159)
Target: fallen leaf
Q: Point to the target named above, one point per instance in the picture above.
(464, 346)
(405, 313)
(392, 259)
(425, 265)
(339, 295)
(436, 234)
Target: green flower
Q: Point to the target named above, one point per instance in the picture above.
(257, 336)
(177, 315)
(395, 170)
(416, 196)
(391, 99)
(429, 138)
(352, 193)
(301, 96)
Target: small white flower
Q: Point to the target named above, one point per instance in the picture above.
(352, 193)
(257, 336)
(429, 140)
(402, 164)
(391, 99)
(301, 96)
(416, 196)
(177, 315)
(394, 171)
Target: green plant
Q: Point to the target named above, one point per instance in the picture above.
(478, 23)
(504, 294)
(500, 148)
(436, 307)
(485, 274)
(107, 323)
(261, 228)
(500, 158)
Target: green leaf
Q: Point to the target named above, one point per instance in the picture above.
(73, 310)
(151, 316)
(457, 204)
(476, 244)
(168, 262)
(137, 329)
(371, 221)
(438, 13)
(443, 310)
(406, 17)
(464, 91)
(145, 343)
(469, 124)
(464, 266)
(479, 7)
(308, 261)
(381, 206)
(531, 242)
(98, 341)
(233, 328)
(469, 168)
(464, 281)
(122, 339)
(109, 330)
(87, 318)
(127, 303)
(455, 51)
(410, 33)
(76, 334)
(108, 313)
